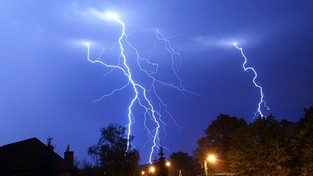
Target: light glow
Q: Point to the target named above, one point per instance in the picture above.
(211, 158)
(152, 169)
(112, 15)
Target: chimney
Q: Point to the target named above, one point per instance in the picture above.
(69, 156)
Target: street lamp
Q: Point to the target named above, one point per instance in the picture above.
(151, 169)
(168, 164)
(211, 159)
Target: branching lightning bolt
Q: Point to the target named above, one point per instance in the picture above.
(144, 96)
(261, 101)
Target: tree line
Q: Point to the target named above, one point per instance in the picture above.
(263, 147)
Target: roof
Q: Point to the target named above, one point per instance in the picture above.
(31, 156)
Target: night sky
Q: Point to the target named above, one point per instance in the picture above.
(48, 87)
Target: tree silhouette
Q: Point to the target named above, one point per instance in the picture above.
(301, 145)
(160, 164)
(182, 163)
(49, 162)
(263, 147)
(111, 153)
(218, 140)
(259, 149)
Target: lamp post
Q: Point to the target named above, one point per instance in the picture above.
(211, 159)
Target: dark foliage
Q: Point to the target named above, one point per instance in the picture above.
(182, 163)
(263, 147)
(111, 153)
(301, 145)
(258, 149)
(160, 164)
(49, 162)
(218, 140)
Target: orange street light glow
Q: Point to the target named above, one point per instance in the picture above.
(211, 158)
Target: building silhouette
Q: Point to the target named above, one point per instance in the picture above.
(31, 157)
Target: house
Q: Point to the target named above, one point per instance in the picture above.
(31, 157)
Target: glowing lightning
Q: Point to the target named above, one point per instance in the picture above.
(142, 95)
(259, 111)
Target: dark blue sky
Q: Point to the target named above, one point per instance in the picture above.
(48, 87)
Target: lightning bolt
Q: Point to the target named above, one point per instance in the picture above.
(145, 96)
(261, 101)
